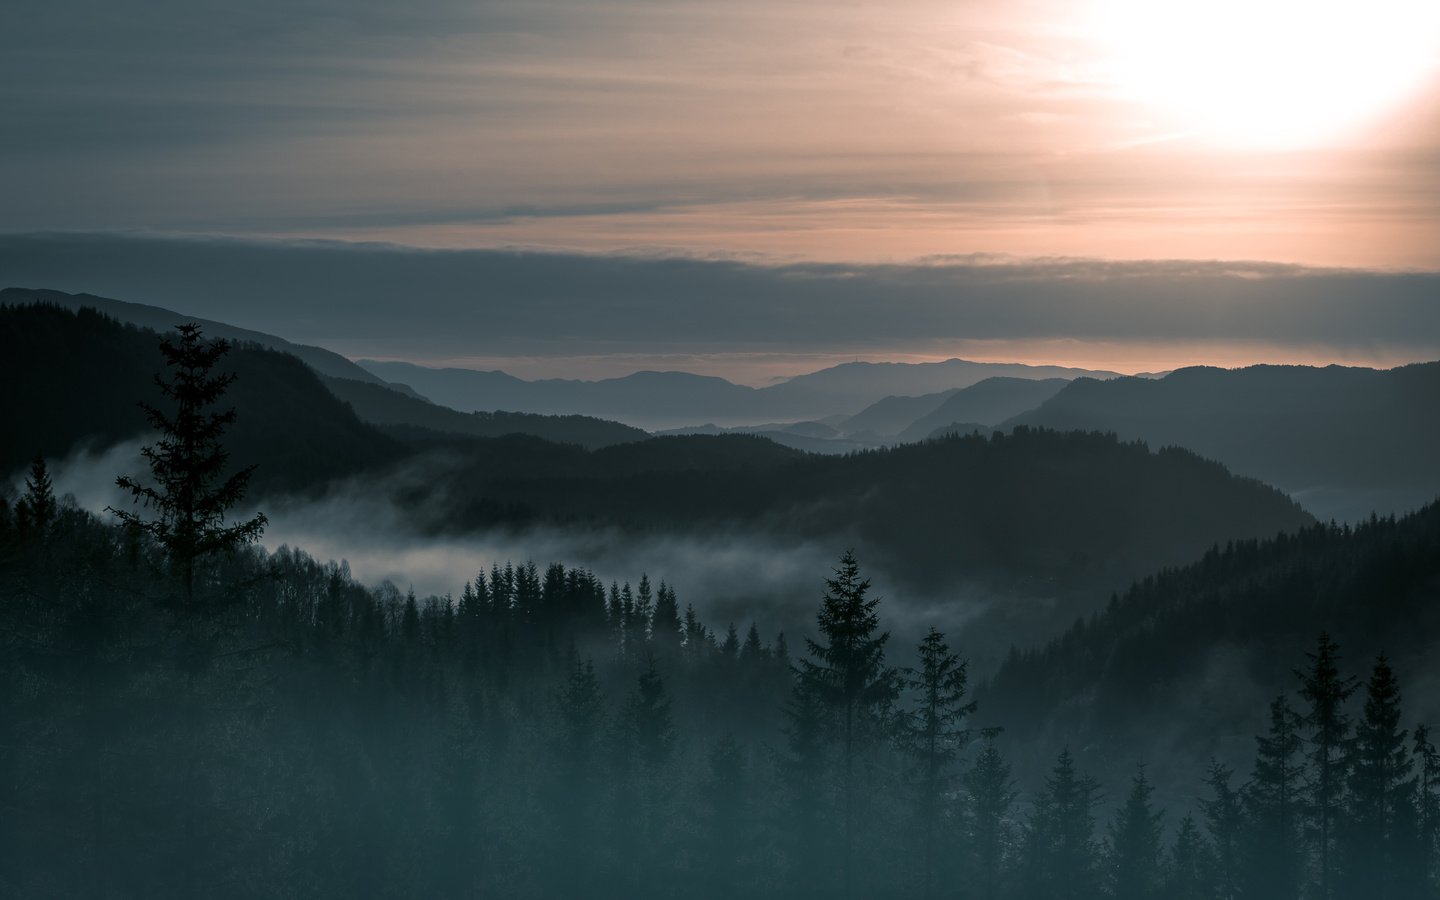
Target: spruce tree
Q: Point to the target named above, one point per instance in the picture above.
(848, 675)
(191, 494)
(1328, 725)
(667, 631)
(1380, 812)
(36, 511)
(1133, 845)
(1224, 816)
(1273, 798)
(1188, 872)
(1060, 849)
(991, 794)
(932, 734)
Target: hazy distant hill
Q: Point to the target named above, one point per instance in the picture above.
(1037, 505)
(1188, 659)
(1342, 440)
(380, 405)
(158, 319)
(664, 400)
(75, 378)
(891, 415)
(988, 402)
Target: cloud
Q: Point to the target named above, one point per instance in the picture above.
(428, 304)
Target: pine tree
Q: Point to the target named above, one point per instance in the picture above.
(1328, 725)
(1188, 872)
(1133, 845)
(35, 512)
(1225, 821)
(848, 675)
(1273, 809)
(932, 735)
(1380, 812)
(647, 718)
(667, 631)
(1060, 849)
(188, 462)
(991, 794)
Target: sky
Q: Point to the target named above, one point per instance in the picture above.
(766, 138)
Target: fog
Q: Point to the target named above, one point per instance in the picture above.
(730, 576)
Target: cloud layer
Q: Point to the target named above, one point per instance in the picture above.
(840, 131)
(475, 305)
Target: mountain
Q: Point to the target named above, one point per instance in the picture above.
(1036, 505)
(381, 405)
(987, 402)
(668, 400)
(878, 380)
(1188, 659)
(82, 373)
(162, 320)
(648, 400)
(889, 416)
(1345, 441)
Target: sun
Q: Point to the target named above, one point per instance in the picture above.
(1269, 73)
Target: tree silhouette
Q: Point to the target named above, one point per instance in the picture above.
(1133, 845)
(1380, 814)
(991, 793)
(1273, 806)
(849, 677)
(191, 494)
(35, 512)
(1329, 726)
(932, 735)
(1059, 853)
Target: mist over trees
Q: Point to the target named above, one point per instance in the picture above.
(185, 714)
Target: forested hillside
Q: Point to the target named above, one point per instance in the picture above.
(1356, 439)
(76, 379)
(1039, 503)
(282, 729)
(1181, 657)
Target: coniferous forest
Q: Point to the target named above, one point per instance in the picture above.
(186, 715)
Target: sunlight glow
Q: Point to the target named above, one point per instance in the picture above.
(1269, 73)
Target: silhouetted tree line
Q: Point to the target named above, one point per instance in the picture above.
(202, 718)
(289, 731)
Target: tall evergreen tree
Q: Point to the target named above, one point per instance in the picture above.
(1132, 846)
(1328, 726)
(1188, 872)
(667, 631)
(191, 494)
(1274, 861)
(36, 511)
(1380, 812)
(1224, 815)
(1060, 852)
(847, 673)
(932, 734)
(991, 794)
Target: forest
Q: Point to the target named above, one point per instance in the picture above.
(186, 714)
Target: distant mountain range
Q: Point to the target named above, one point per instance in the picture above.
(395, 407)
(1032, 505)
(159, 319)
(668, 400)
(1344, 441)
